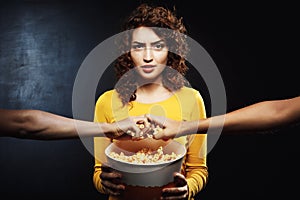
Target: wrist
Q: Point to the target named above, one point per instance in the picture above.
(189, 127)
(107, 128)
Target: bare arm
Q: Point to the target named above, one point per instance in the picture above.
(262, 116)
(40, 125)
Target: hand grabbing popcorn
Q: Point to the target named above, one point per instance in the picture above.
(148, 129)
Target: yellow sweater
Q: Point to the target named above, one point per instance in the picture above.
(186, 104)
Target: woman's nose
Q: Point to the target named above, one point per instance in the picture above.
(148, 55)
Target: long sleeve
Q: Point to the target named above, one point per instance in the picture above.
(100, 143)
(196, 170)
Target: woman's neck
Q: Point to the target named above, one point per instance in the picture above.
(150, 88)
(152, 92)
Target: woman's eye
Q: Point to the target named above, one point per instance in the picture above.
(159, 46)
(137, 46)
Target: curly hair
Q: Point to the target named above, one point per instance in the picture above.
(167, 26)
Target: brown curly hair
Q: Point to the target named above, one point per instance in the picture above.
(167, 26)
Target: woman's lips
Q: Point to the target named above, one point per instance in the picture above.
(148, 68)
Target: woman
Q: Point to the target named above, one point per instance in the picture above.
(147, 85)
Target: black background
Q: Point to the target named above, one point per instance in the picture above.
(43, 43)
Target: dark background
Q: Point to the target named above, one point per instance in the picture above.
(43, 43)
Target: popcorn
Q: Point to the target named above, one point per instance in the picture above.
(153, 129)
(156, 130)
(146, 156)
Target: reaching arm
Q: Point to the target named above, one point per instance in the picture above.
(262, 116)
(41, 125)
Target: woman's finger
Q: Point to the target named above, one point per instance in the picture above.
(180, 189)
(174, 191)
(112, 186)
(179, 179)
(110, 175)
(112, 189)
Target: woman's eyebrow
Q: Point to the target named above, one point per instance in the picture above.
(157, 42)
(136, 42)
(152, 43)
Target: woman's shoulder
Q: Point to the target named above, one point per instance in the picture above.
(108, 92)
(189, 95)
(188, 91)
(107, 95)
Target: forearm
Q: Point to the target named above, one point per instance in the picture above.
(195, 164)
(262, 116)
(58, 127)
(197, 180)
(97, 180)
(195, 126)
(36, 124)
(258, 117)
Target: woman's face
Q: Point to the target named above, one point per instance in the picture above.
(149, 53)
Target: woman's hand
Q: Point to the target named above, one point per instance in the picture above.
(110, 180)
(178, 191)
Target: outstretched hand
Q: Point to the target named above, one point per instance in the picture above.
(125, 129)
(148, 126)
(169, 128)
